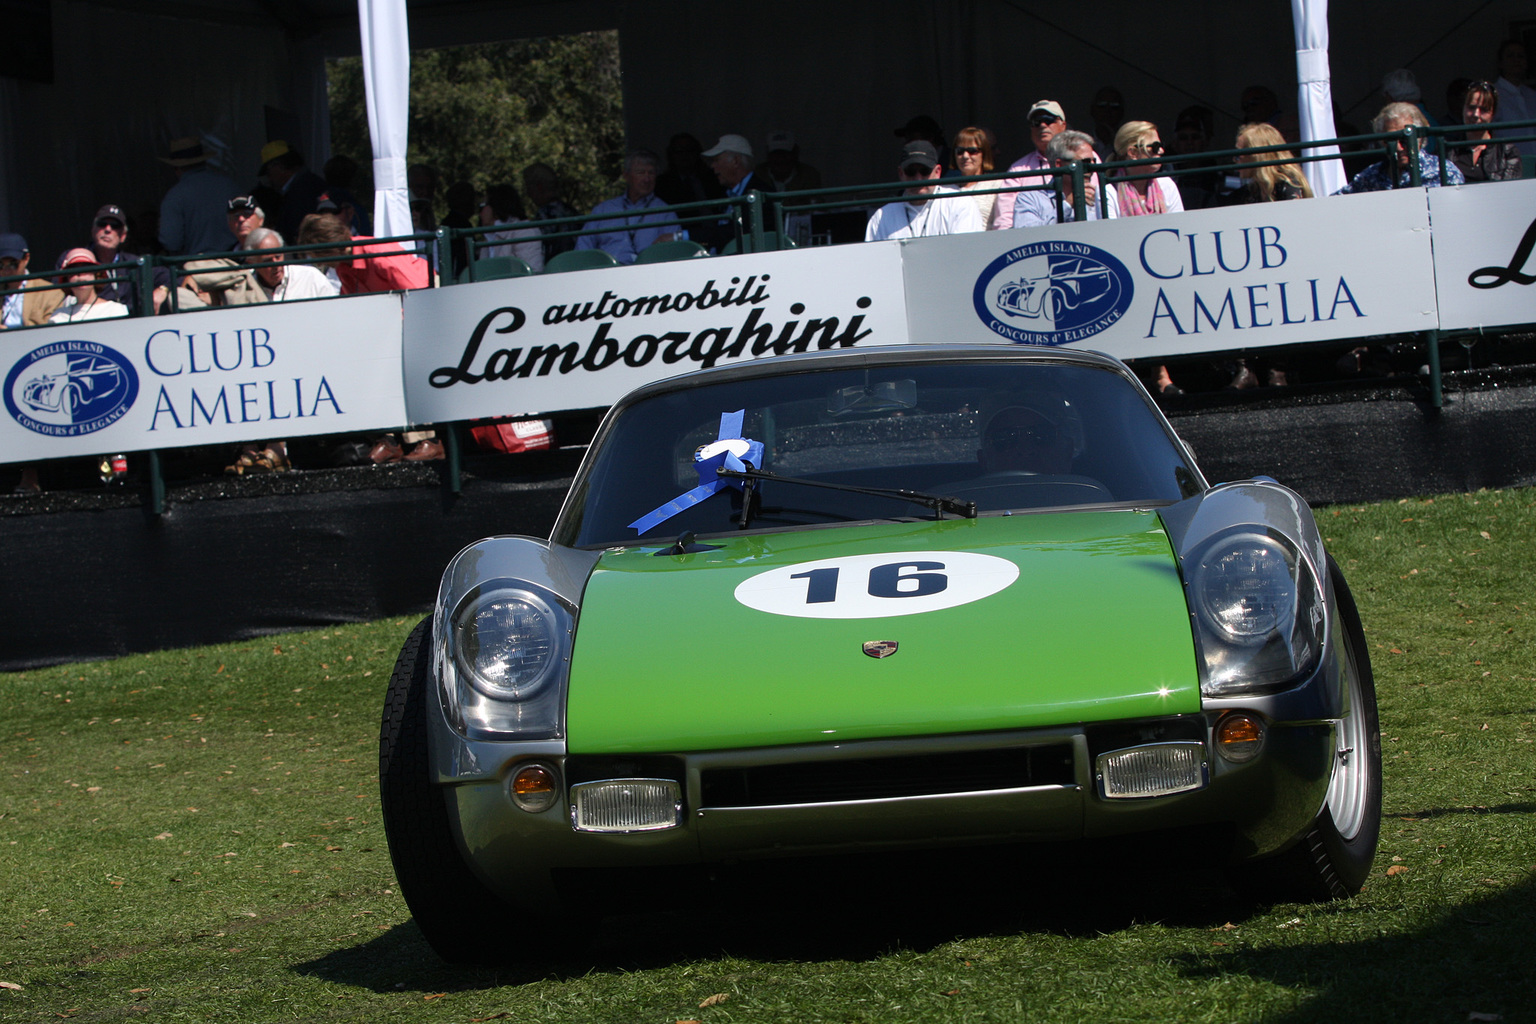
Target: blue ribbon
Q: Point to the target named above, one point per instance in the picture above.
(707, 464)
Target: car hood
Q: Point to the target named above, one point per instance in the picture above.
(1002, 622)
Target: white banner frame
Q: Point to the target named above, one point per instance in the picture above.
(1242, 277)
(266, 371)
(532, 345)
(1485, 266)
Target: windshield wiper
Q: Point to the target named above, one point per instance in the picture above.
(938, 502)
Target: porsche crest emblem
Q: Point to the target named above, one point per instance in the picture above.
(880, 648)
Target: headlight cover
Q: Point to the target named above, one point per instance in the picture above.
(1258, 611)
(509, 648)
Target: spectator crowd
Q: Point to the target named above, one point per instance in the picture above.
(952, 184)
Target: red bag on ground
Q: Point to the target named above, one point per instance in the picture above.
(515, 435)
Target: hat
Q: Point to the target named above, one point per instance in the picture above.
(921, 125)
(731, 144)
(325, 204)
(243, 203)
(111, 212)
(77, 256)
(781, 142)
(1049, 107)
(271, 151)
(185, 152)
(919, 152)
(12, 246)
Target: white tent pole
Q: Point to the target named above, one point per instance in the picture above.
(1314, 93)
(387, 86)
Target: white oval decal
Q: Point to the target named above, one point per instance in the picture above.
(877, 586)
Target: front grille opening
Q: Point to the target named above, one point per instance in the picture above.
(886, 777)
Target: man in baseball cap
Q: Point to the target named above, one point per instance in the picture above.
(923, 212)
(109, 235)
(731, 160)
(26, 303)
(1046, 121)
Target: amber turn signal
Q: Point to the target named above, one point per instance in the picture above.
(1239, 737)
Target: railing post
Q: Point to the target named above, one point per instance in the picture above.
(442, 255)
(144, 285)
(156, 484)
(450, 433)
(1079, 191)
(1436, 394)
(754, 200)
(1411, 142)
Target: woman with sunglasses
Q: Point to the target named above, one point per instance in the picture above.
(1481, 157)
(972, 151)
(1138, 140)
(1138, 194)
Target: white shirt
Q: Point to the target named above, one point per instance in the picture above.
(301, 282)
(933, 217)
(531, 253)
(72, 311)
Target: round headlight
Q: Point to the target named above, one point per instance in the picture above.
(508, 644)
(1246, 588)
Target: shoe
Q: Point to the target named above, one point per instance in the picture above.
(425, 451)
(1276, 379)
(386, 449)
(1243, 379)
(264, 461)
(1170, 390)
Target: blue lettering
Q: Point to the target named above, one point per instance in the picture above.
(149, 357)
(1147, 266)
(1265, 246)
(1161, 304)
(1348, 298)
(1254, 305)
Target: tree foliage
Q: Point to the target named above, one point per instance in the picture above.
(482, 113)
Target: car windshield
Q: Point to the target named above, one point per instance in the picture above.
(1008, 435)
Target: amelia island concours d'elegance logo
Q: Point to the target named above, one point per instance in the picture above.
(70, 388)
(1052, 293)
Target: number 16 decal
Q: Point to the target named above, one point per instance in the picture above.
(877, 586)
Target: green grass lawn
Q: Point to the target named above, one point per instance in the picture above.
(195, 835)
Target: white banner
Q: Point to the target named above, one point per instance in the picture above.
(245, 373)
(1485, 270)
(584, 339)
(1183, 283)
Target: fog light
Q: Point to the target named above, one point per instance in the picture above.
(626, 805)
(534, 788)
(1156, 769)
(1239, 738)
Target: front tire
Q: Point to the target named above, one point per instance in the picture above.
(450, 905)
(1334, 858)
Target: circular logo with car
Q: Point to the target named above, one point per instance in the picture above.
(1052, 292)
(70, 388)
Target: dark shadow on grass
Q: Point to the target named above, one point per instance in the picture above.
(1473, 958)
(852, 908)
(1440, 812)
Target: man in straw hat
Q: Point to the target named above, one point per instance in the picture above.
(192, 214)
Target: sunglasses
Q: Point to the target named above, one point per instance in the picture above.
(1041, 120)
(1153, 149)
(114, 225)
(969, 150)
(915, 171)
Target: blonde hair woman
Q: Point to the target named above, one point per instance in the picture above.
(972, 155)
(1138, 140)
(1277, 181)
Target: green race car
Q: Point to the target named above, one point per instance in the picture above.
(902, 597)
